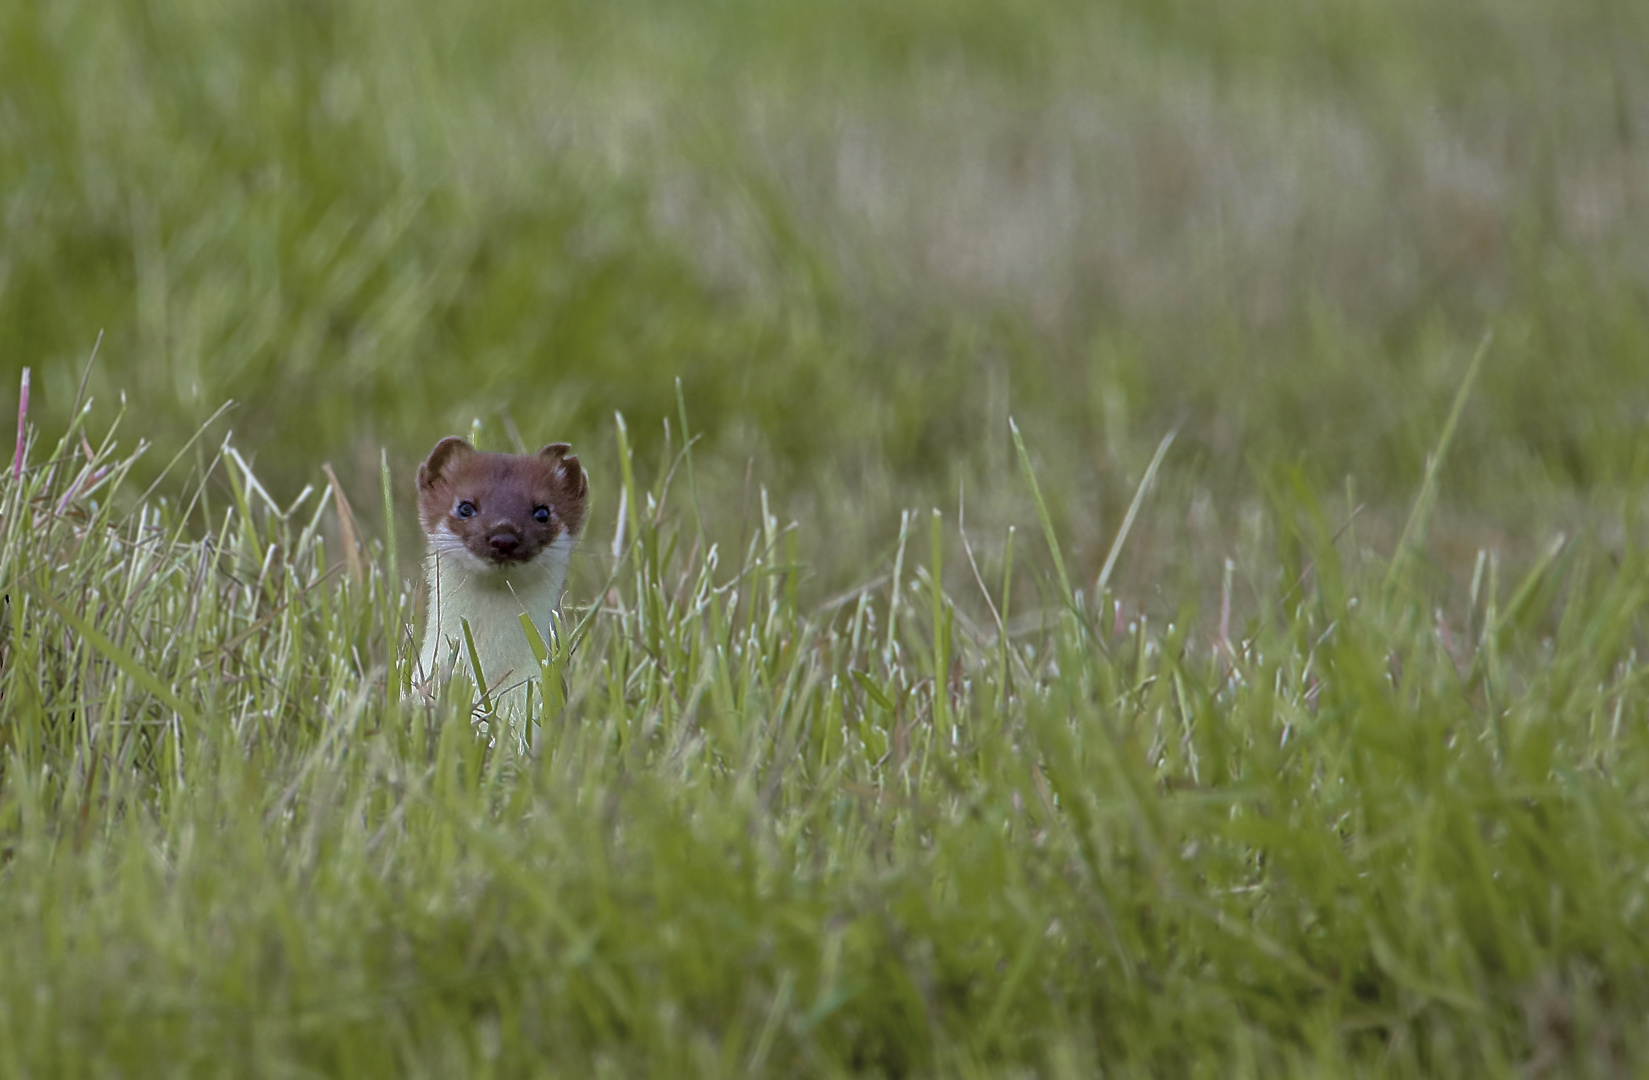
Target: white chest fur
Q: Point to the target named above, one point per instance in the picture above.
(491, 599)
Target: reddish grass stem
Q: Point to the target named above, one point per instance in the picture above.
(22, 417)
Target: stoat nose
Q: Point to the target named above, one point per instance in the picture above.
(504, 543)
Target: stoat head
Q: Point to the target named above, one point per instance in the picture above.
(498, 511)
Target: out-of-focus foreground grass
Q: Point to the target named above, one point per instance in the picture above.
(1336, 768)
(1347, 836)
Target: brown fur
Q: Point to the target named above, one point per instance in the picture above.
(504, 490)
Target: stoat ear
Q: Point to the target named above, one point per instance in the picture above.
(445, 453)
(567, 468)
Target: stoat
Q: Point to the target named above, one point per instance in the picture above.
(501, 529)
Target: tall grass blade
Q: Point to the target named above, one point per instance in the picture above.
(1413, 536)
(1128, 518)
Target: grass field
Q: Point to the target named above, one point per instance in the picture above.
(1118, 541)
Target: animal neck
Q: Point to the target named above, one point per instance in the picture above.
(492, 602)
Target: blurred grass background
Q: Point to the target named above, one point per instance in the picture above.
(862, 236)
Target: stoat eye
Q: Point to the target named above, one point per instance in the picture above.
(465, 508)
(541, 514)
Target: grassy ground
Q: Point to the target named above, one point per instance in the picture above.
(1330, 759)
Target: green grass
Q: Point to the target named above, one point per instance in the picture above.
(874, 837)
(1310, 745)
(861, 236)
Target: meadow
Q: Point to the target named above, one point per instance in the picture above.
(1118, 541)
